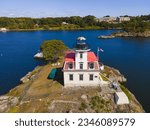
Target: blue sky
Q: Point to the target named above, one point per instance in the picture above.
(56, 8)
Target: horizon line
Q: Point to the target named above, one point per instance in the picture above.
(71, 16)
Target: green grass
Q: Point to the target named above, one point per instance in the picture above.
(13, 109)
(83, 106)
(99, 104)
(34, 72)
(104, 78)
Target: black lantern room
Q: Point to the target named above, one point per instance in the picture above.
(81, 44)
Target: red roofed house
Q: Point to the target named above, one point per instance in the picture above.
(81, 66)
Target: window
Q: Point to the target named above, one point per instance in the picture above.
(91, 77)
(70, 66)
(71, 77)
(81, 55)
(81, 77)
(91, 65)
(81, 66)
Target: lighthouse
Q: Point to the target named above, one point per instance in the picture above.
(81, 66)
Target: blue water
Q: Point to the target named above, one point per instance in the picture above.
(130, 55)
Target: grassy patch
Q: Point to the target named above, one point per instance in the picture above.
(35, 70)
(104, 78)
(99, 104)
(13, 109)
(83, 106)
(109, 70)
(34, 106)
(17, 91)
(126, 91)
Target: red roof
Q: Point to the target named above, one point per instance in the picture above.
(70, 56)
(91, 57)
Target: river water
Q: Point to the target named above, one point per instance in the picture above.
(130, 55)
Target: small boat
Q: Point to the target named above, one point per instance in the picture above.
(52, 74)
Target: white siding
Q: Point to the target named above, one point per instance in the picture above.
(86, 81)
(79, 60)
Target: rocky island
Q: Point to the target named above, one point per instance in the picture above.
(144, 34)
(38, 93)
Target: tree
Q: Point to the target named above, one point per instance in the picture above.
(53, 49)
(89, 20)
(46, 27)
(107, 16)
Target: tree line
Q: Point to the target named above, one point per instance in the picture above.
(33, 23)
(139, 23)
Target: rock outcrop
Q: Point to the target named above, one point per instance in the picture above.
(43, 95)
(113, 74)
(126, 34)
(30, 75)
(106, 37)
(6, 102)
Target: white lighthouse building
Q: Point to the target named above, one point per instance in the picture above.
(81, 67)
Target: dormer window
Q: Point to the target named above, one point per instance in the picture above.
(70, 66)
(91, 65)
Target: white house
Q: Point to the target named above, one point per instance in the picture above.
(123, 19)
(64, 23)
(3, 29)
(107, 19)
(81, 66)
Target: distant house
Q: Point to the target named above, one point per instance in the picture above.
(3, 29)
(36, 25)
(81, 66)
(107, 19)
(123, 19)
(64, 23)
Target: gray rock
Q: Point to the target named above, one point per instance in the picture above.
(6, 102)
(127, 34)
(84, 97)
(4, 97)
(3, 107)
(105, 37)
(24, 79)
(14, 101)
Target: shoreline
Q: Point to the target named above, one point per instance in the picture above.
(28, 30)
(34, 90)
(145, 34)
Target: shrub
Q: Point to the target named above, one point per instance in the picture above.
(83, 106)
(53, 49)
